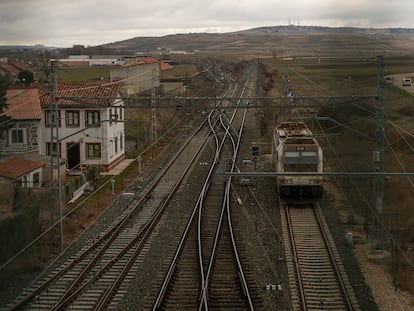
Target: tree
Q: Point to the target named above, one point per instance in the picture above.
(45, 65)
(26, 77)
(137, 127)
(4, 120)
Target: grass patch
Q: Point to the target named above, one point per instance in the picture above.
(400, 91)
(182, 70)
(68, 74)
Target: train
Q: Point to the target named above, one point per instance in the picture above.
(295, 150)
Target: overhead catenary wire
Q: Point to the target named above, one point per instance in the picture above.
(52, 226)
(204, 70)
(74, 88)
(388, 233)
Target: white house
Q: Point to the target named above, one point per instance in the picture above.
(89, 61)
(91, 125)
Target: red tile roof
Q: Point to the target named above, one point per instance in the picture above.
(93, 94)
(20, 66)
(8, 68)
(23, 104)
(140, 61)
(15, 167)
(165, 66)
(146, 60)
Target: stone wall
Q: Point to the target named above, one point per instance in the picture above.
(31, 140)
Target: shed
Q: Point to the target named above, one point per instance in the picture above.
(19, 180)
(23, 172)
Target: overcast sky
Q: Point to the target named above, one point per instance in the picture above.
(62, 23)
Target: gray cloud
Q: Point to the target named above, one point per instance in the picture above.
(91, 22)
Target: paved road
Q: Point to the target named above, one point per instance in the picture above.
(396, 79)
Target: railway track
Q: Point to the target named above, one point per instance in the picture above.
(206, 272)
(97, 276)
(318, 280)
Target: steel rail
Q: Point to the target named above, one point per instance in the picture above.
(310, 221)
(343, 287)
(145, 232)
(226, 209)
(107, 238)
(196, 209)
(205, 274)
(231, 229)
(199, 239)
(111, 289)
(112, 230)
(295, 257)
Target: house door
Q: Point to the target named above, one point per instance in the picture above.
(72, 155)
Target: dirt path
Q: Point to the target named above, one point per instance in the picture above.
(372, 266)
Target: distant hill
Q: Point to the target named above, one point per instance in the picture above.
(38, 47)
(278, 40)
(320, 30)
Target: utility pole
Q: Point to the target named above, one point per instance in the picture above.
(153, 110)
(286, 85)
(258, 94)
(378, 159)
(186, 88)
(285, 93)
(54, 150)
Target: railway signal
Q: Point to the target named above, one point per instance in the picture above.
(255, 153)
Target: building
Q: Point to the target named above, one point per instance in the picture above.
(22, 136)
(10, 70)
(17, 177)
(90, 125)
(22, 172)
(24, 110)
(89, 61)
(138, 75)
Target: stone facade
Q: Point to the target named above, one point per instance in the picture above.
(21, 137)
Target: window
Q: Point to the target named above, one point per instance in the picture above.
(121, 143)
(17, 136)
(48, 118)
(305, 161)
(93, 118)
(116, 144)
(72, 118)
(36, 179)
(54, 150)
(110, 115)
(93, 150)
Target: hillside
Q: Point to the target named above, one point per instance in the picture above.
(281, 41)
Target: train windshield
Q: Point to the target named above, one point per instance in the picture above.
(305, 161)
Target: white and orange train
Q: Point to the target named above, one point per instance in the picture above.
(295, 150)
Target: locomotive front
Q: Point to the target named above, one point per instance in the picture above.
(297, 151)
